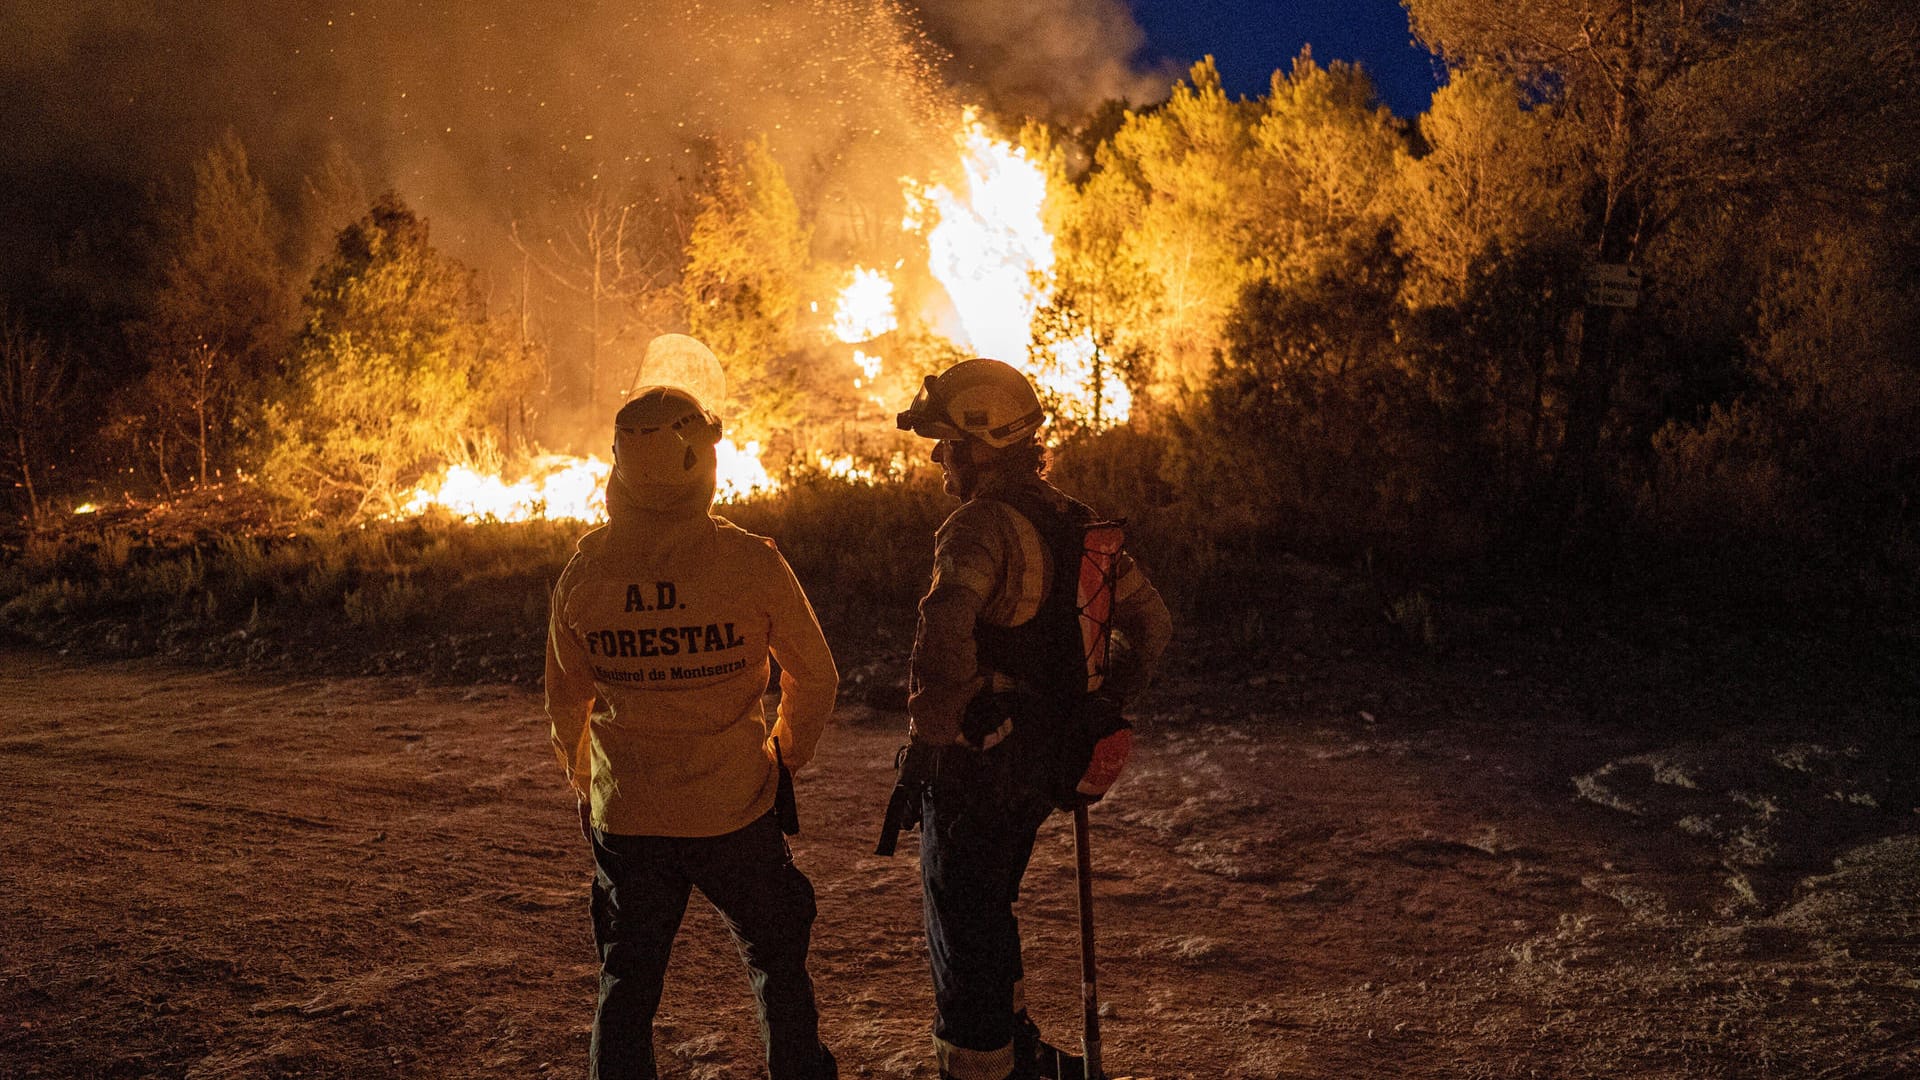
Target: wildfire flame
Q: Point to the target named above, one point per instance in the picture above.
(988, 247)
(987, 240)
(561, 487)
(864, 309)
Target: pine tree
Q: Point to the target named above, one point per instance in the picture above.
(746, 258)
(398, 370)
(1683, 122)
(218, 324)
(1183, 184)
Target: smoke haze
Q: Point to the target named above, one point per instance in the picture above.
(478, 112)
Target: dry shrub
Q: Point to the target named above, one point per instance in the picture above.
(1723, 480)
(390, 604)
(863, 552)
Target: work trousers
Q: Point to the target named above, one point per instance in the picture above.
(641, 885)
(978, 820)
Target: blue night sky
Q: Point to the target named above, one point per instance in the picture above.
(1249, 39)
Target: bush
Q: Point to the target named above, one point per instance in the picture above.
(1723, 480)
(389, 604)
(863, 552)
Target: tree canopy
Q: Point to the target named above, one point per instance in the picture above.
(399, 368)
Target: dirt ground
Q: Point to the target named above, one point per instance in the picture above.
(1443, 873)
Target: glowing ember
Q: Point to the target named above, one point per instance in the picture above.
(864, 309)
(86, 508)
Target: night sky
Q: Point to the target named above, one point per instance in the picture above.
(1249, 39)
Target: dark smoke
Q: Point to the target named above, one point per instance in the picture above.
(1055, 59)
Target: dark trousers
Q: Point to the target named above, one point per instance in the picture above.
(977, 829)
(640, 891)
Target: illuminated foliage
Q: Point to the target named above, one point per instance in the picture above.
(1179, 180)
(746, 259)
(1493, 179)
(1193, 201)
(1324, 156)
(1101, 290)
(1698, 137)
(399, 369)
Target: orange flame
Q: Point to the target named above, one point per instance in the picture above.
(988, 247)
(562, 487)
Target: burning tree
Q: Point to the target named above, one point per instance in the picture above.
(746, 261)
(604, 249)
(399, 370)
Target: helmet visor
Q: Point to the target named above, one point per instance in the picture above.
(926, 419)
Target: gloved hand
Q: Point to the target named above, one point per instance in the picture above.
(1101, 718)
(918, 763)
(987, 722)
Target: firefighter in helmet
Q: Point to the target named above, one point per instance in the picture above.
(1006, 724)
(668, 614)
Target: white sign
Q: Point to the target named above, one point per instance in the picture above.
(1613, 285)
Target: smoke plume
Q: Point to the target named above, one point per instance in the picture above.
(480, 111)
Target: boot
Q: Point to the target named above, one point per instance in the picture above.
(1036, 1059)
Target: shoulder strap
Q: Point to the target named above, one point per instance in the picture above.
(1075, 619)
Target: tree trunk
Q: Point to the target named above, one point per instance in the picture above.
(26, 475)
(1576, 484)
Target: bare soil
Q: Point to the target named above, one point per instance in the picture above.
(1369, 869)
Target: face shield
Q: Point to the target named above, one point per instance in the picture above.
(924, 418)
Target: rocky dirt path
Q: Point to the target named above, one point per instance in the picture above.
(218, 875)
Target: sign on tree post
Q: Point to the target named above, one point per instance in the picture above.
(1614, 285)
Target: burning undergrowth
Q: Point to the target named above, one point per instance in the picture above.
(242, 580)
(820, 360)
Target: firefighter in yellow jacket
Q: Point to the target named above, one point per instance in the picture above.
(668, 614)
(1031, 638)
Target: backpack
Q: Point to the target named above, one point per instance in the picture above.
(1067, 739)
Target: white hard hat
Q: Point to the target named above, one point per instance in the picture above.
(663, 435)
(975, 399)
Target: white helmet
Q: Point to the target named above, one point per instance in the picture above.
(980, 399)
(664, 435)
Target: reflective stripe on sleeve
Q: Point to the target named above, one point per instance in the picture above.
(1023, 588)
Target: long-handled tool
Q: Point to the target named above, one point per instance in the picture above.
(1089, 995)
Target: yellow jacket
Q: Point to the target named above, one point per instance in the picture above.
(669, 621)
